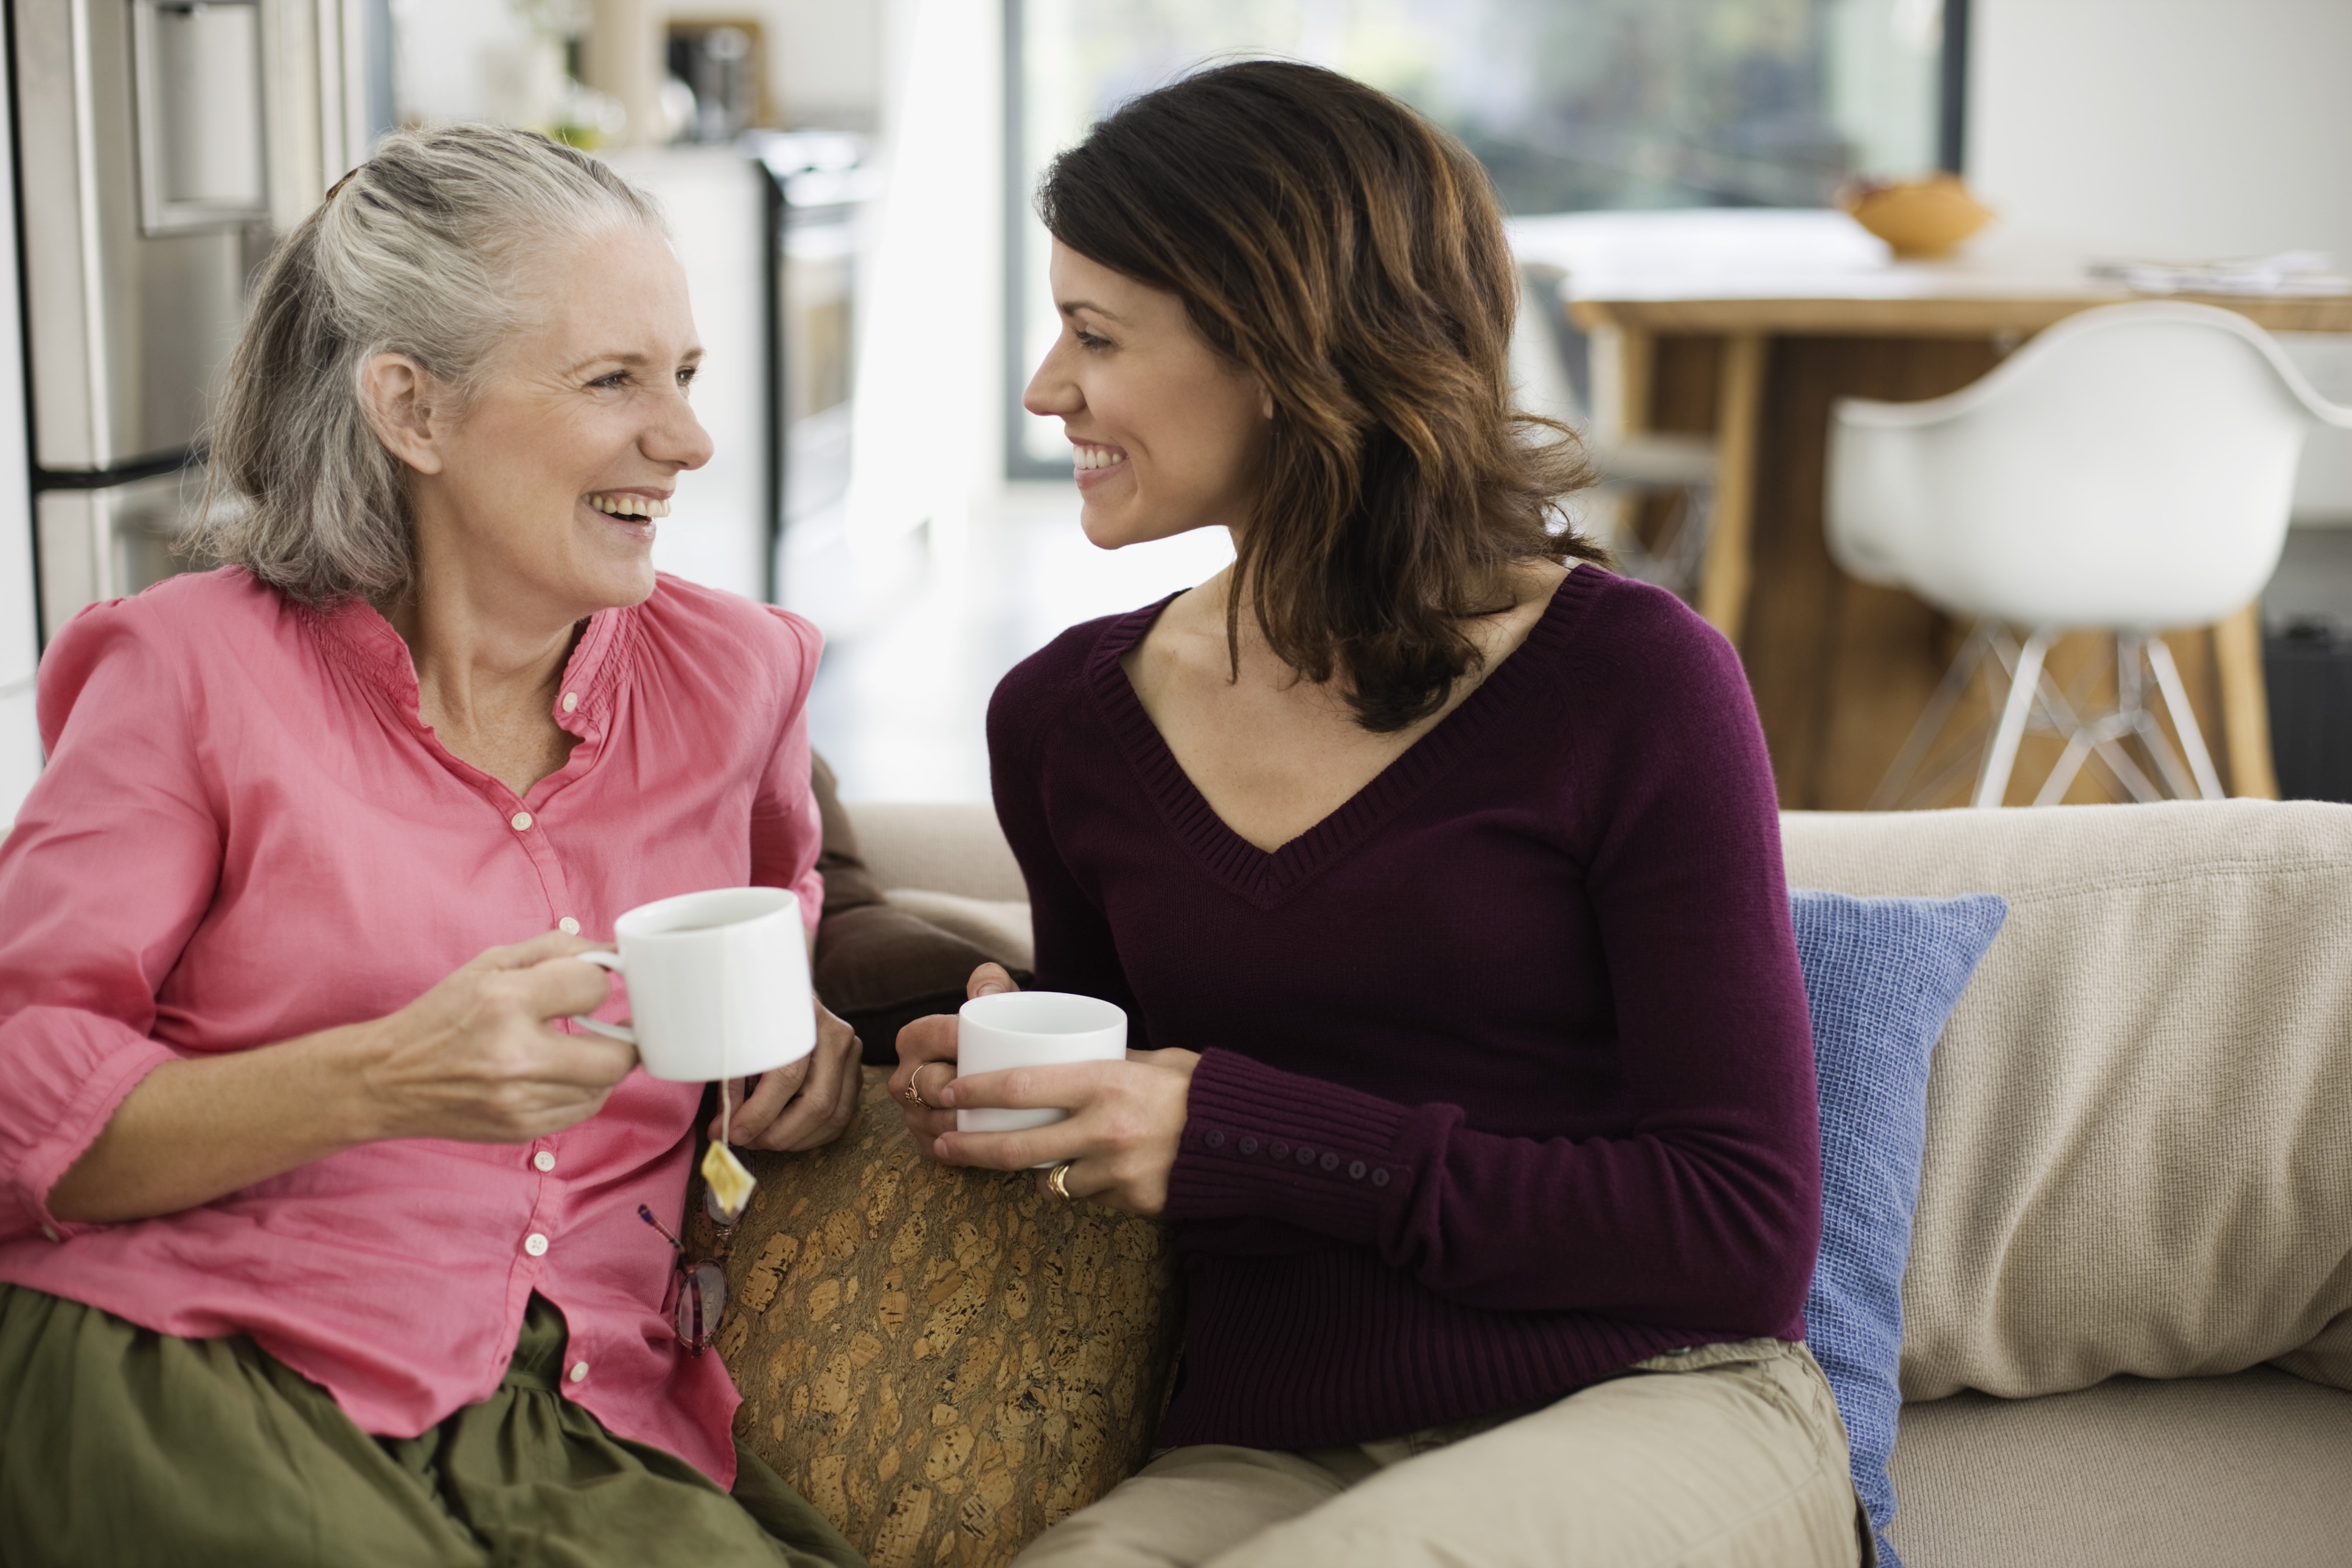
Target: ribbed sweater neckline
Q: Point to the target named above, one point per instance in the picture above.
(1267, 878)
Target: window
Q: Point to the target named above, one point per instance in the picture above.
(1571, 104)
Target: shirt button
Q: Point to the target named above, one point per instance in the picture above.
(519, 821)
(1214, 1140)
(568, 925)
(1330, 1162)
(1356, 1170)
(579, 1372)
(571, 704)
(1249, 1145)
(535, 1244)
(1380, 1177)
(543, 1161)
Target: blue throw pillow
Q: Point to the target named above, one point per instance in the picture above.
(1881, 976)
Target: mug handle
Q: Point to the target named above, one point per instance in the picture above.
(622, 1032)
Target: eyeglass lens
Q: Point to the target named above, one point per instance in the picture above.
(701, 1303)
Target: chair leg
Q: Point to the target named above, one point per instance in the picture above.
(1689, 550)
(2176, 702)
(1931, 721)
(2079, 747)
(2134, 720)
(2059, 711)
(2001, 758)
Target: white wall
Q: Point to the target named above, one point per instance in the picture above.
(825, 59)
(2171, 128)
(461, 59)
(451, 57)
(2183, 128)
(929, 427)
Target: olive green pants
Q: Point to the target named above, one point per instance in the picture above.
(122, 1448)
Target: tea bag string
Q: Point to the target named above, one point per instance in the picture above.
(726, 1083)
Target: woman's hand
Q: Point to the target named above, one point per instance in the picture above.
(474, 1058)
(802, 1104)
(1125, 1119)
(930, 1044)
(1125, 1116)
(477, 1057)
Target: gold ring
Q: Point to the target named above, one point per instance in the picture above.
(1058, 1179)
(915, 1095)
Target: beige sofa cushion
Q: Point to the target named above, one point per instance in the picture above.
(2130, 1474)
(2139, 1125)
(951, 847)
(999, 925)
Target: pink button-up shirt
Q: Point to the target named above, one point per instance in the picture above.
(246, 833)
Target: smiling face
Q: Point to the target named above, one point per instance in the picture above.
(544, 494)
(1168, 433)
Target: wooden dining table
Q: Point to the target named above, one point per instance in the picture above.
(1749, 324)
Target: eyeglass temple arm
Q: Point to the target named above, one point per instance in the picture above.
(646, 1215)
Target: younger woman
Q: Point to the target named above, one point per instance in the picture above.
(1441, 869)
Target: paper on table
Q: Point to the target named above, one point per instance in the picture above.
(2288, 272)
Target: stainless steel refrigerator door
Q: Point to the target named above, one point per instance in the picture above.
(20, 641)
(128, 330)
(106, 543)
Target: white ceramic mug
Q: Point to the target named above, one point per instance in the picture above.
(1031, 1028)
(718, 983)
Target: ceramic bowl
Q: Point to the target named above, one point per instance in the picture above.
(1919, 218)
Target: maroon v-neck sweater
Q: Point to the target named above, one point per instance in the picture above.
(1506, 1080)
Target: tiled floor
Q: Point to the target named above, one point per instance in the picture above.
(901, 699)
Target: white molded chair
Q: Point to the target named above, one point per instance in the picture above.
(1628, 466)
(2127, 471)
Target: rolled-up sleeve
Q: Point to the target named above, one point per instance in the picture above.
(786, 831)
(113, 858)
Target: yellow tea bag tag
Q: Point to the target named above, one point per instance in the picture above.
(730, 1183)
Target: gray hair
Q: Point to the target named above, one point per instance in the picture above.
(420, 251)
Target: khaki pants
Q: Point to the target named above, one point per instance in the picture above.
(1730, 1455)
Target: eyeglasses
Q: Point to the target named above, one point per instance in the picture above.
(698, 1301)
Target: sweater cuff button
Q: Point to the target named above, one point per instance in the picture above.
(1214, 1140)
(1380, 1177)
(1356, 1170)
(1249, 1145)
(1330, 1162)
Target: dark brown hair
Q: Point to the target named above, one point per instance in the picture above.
(1351, 255)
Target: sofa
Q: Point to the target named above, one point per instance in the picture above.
(2127, 1307)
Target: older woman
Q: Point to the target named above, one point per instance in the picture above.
(319, 1221)
(1441, 868)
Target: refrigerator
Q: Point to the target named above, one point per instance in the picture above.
(160, 148)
